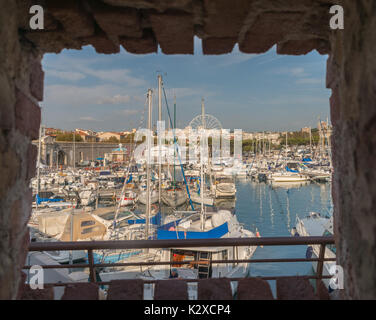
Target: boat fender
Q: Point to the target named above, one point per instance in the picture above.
(309, 252)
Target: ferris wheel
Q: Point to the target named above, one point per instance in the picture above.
(207, 121)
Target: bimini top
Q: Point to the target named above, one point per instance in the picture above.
(154, 220)
(214, 233)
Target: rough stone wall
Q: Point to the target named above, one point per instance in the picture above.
(21, 86)
(351, 75)
(139, 26)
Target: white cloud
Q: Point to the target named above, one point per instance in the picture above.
(296, 72)
(88, 118)
(116, 99)
(309, 81)
(65, 75)
(130, 112)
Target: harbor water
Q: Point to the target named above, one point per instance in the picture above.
(272, 209)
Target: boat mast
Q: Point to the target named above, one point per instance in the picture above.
(174, 130)
(202, 188)
(149, 138)
(160, 142)
(74, 149)
(286, 144)
(38, 161)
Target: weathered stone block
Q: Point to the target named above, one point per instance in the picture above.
(126, 290)
(117, 21)
(254, 289)
(146, 44)
(298, 47)
(218, 45)
(171, 290)
(270, 28)
(72, 16)
(214, 289)
(295, 288)
(37, 80)
(102, 44)
(81, 291)
(223, 18)
(174, 32)
(27, 116)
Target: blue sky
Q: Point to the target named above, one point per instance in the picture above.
(268, 92)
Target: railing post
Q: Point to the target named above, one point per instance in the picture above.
(320, 265)
(91, 265)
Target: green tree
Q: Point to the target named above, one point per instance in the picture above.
(112, 139)
(68, 136)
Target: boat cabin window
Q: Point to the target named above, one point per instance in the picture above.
(87, 223)
(89, 230)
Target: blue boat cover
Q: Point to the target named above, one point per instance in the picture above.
(290, 170)
(215, 233)
(307, 160)
(157, 219)
(39, 200)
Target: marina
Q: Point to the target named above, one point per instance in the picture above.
(264, 193)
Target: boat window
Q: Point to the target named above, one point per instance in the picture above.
(89, 230)
(87, 223)
(332, 248)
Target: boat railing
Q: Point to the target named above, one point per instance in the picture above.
(91, 246)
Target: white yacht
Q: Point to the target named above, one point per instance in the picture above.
(317, 225)
(198, 261)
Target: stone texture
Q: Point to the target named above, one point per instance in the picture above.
(354, 146)
(27, 116)
(214, 289)
(223, 18)
(126, 290)
(263, 34)
(174, 32)
(146, 44)
(122, 22)
(299, 47)
(72, 16)
(294, 288)
(322, 291)
(81, 291)
(218, 45)
(36, 294)
(171, 290)
(254, 289)
(36, 80)
(102, 44)
(252, 24)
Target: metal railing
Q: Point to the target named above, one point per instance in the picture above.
(90, 246)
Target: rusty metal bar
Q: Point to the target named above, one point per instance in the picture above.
(320, 265)
(104, 265)
(183, 243)
(91, 266)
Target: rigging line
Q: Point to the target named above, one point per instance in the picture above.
(115, 231)
(177, 150)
